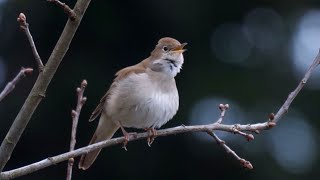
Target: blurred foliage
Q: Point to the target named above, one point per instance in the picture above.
(115, 34)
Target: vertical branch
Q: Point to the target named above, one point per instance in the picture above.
(75, 117)
(39, 89)
(12, 84)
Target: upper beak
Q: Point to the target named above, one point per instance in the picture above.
(179, 49)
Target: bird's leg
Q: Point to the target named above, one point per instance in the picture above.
(152, 135)
(126, 136)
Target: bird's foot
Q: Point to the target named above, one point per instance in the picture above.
(152, 135)
(126, 137)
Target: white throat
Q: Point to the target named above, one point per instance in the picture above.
(169, 64)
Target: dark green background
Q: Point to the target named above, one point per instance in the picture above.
(115, 34)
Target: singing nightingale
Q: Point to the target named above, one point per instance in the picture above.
(142, 96)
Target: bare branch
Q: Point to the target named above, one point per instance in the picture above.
(12, 84)
(65, 8)
(75, 117)
(114, 141)
(39, 89)
(22, 19)
(285, 107)
(246, 164)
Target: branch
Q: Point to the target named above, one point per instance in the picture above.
(246, 164)
(120, 140)
(65, 8)
(236, 128)
(75, 117)
(22, 19)
(39, 89)
(285, 107)
(12, 84)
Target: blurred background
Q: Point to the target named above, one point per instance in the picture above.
(249, 54)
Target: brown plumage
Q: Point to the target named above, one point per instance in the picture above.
(141, 96)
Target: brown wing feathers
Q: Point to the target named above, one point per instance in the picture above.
(138, 68)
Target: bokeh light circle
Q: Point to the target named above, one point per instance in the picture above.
(305, 46)
(265, 29)
(293, 145)
(206, 111)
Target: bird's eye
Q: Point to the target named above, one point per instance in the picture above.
(165, 48)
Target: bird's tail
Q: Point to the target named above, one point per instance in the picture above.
(105, 130)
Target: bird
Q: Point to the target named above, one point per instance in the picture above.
(142, 96)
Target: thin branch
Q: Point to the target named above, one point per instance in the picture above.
(75, 117)
(119, 141)
(39, 89)
(285, 107)
(246, 164)
(22, 19)
(65, 8)
(12, 84)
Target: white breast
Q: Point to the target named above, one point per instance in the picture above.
(141, 101)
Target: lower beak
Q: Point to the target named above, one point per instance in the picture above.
(179, 49)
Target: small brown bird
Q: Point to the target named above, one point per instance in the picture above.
(142, 96)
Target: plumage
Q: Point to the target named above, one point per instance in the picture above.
(141, 96)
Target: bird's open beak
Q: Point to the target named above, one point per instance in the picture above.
(179, 49)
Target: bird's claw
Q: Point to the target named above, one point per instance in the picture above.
(126, 137)
(152, 136)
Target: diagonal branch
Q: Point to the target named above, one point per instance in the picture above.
(22, 19)
(246, 164)
(285, 107)
(12, 84)
(75, 117)
(39, 89)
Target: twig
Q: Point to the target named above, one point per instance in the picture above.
(12, 84)
(22, 19)
(39, 89)
(249, 137)
(65, 8)
(223, 108)
(246, 164)
(75, 117)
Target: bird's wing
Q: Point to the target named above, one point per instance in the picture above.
(137, 69)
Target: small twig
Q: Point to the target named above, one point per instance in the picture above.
(246, 164)
(65, 8)
(223, 108)
(22, 19)
(249, 137)
(75, 117)
(11, 85)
